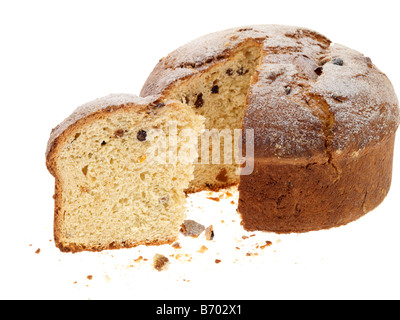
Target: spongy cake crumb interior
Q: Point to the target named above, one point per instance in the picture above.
(219, 94)
(111, 195)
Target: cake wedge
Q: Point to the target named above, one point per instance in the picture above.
(121, 164)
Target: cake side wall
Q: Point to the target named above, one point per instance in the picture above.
(286, 198)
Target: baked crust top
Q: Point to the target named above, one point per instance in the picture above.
(307, 97)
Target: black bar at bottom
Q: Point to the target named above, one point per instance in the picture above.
(198, 309)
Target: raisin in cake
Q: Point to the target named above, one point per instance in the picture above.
(324, 120)
(110, 190)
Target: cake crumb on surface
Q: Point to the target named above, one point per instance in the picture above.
(249, 254)
(160, 262)
(267, 244)
(176, 245)
(202, 249)
(209, 233)
(191, 228)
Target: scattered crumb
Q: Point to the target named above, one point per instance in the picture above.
(214, 199)
(37, 251)
(160, 262)
(183, 257)
(90, 277)
(228, 194)
(176, 245)
(249, 254)
(222, 221)
(252, 235)
(237, 248)
(245, 237)
(191, 228)
(138, 259)
(232, 202)
(210, 233)
(267, 244)
(202, 249)
(217, 261)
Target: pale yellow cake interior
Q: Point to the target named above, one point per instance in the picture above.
(219, 94)
(111, 193)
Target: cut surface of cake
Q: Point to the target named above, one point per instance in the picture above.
(121, 165)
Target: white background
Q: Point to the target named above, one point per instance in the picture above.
(56, 55)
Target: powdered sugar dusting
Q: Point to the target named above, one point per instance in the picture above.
(283, 127)
(309, 94)
(203, 52)
(360, 97)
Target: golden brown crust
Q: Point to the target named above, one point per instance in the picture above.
(75, 248)
(302, 197)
